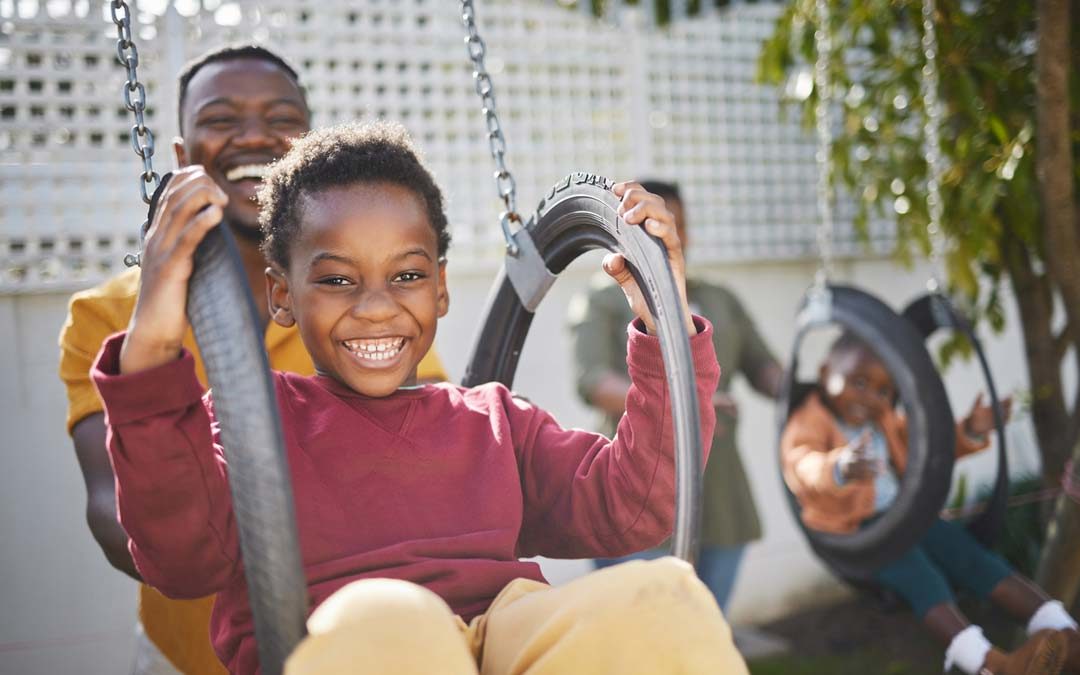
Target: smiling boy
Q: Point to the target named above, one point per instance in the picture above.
(415, 504)
(843, 452)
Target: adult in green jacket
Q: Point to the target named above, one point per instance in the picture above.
(598, 320)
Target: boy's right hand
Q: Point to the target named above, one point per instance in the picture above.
(191, 204)
(856, 462)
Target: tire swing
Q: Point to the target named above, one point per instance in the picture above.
(930, 313)
(927, 478)
(579, 214)
(933, 311)
(931, 433)
(227, 331)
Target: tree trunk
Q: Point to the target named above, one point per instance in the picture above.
(1034, 300)
(1059, 568)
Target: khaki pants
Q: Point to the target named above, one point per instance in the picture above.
(648, 617)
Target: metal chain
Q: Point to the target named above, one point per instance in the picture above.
(825, 193)
(142, 140)
(485, 88)
(935, 164)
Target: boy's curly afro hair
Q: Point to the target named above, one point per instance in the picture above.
(337, 156)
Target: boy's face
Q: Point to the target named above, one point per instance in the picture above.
(364, 285)
(857, 387)
(238, 116)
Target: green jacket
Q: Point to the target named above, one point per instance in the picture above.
(598, 322)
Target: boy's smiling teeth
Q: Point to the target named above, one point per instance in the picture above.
(379, 349)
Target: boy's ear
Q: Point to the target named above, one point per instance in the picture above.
(180, 150)
(443, 301)
(278, 298)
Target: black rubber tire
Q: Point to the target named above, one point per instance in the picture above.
(932, 436)
(230, 339)
(579, 214)
(933, 312)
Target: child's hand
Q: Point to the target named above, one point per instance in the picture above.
(856, 462)
(190, 206)
(980, 421)
(643, 208)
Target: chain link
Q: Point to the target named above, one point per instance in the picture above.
(823, 118)
(142, 140)
(935, 164)
(485, 89)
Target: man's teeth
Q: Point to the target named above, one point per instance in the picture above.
(246, 171)
(381, 349)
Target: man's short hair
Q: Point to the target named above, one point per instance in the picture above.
(229, 53)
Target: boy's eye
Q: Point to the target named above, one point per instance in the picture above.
(409, 276)
(333, 281)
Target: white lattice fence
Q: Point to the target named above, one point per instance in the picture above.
(573, 93)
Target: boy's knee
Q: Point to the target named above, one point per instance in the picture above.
(378, 600)
(395, 625)
(658, 614)
(640, 584)
(637, 617)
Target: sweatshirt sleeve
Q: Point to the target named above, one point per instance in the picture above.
(172, 489)
(586, 495)
(808, 460)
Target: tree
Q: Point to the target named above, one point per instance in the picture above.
(1011, 128)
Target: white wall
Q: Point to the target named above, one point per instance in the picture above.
(64, 608)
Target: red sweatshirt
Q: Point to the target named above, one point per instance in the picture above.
(442, 486)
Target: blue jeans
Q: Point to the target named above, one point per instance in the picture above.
(717, 567)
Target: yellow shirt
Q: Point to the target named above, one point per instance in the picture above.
(180, 628)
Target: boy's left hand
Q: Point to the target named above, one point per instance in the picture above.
(647, 210)
(980, 421)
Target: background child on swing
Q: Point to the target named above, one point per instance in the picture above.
(427, 494)
(843, 451)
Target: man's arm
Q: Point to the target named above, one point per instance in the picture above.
(766, 381)
(89, 438)
(608, 393)
(756, 362)
(597, 329)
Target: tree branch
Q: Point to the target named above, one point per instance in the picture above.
(1068, 337)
